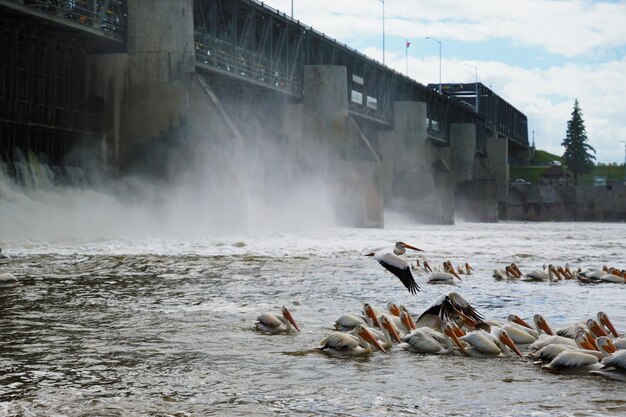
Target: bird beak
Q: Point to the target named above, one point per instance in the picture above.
(541, 323)
(453, 272)
(289, 317)
(610, 347)
(369, 312)
(597, 330)
(450, 332)
(406, 245)
(369, 337)
(584, 343)
(521, 322)
(591, 341)
(392, 331)
(504, 338)
(427, 266)
(458, 331)
(393, 309)
(407, 321)
(605, 320)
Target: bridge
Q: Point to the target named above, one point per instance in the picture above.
(58, 59)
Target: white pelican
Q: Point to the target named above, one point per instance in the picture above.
(439, 277)
(521, 335)
(348, 321)
(506, 273)
(604, 320)
(351, 345)
(542, 276)
(424, 341)
(614, 363)
(274, 323)
(2, 255)
(448, 307)
(486, 344)
(388, 258)
(549, 338)
(389, 330)
(7, 280)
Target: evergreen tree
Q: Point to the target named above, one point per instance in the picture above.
(577, 156)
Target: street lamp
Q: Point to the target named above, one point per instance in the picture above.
(624, 142)
(439, 42)
(292, 9)
(383, 2)
(476, 88)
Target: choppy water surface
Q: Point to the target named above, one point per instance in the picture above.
(164, 327)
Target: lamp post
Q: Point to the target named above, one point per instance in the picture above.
(292, 9)
(476, 84)
(383, 2)
(439, 42)
(624, 142)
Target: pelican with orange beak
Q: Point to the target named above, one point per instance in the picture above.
(389, 258)
(274, 323)
(358, 344)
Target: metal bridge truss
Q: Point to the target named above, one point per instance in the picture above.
(106, 18)
(495, 112)
(248, 40)
(43, 47)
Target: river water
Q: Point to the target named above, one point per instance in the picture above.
(164, 326)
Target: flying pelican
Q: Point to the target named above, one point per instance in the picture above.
(351, 345)
(449, 307)
(388, 258)
(423, 341)
(274, 323)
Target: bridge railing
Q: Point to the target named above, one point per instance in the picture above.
(108, 16)
(227, 57)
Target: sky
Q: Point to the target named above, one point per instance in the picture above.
(539, 55)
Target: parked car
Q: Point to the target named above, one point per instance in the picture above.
(520, 181)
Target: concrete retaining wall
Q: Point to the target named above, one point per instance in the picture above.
(567, 203)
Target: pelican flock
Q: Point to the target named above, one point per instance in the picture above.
(451, 325)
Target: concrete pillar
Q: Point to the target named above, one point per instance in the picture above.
(416, 180)
(330, 145)
(326, 109)
(159, 70)
(498, 164)
(463, 150)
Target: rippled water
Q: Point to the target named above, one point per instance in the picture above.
(164, 326)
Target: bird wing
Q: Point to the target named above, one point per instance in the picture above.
(482, 342)
(573, 359)
(422, 342)
(270, 320)
(616, 360)
(399, 267)
(338, 340)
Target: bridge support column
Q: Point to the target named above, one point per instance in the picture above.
(417, 182)
(498, 165)
(155, 75)
(475, 194)
(328, 143)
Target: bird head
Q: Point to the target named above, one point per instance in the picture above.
(405, 245)
(287, 314)
(604, 320)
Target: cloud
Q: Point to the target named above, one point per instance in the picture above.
(566, 28)
(587, 34)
